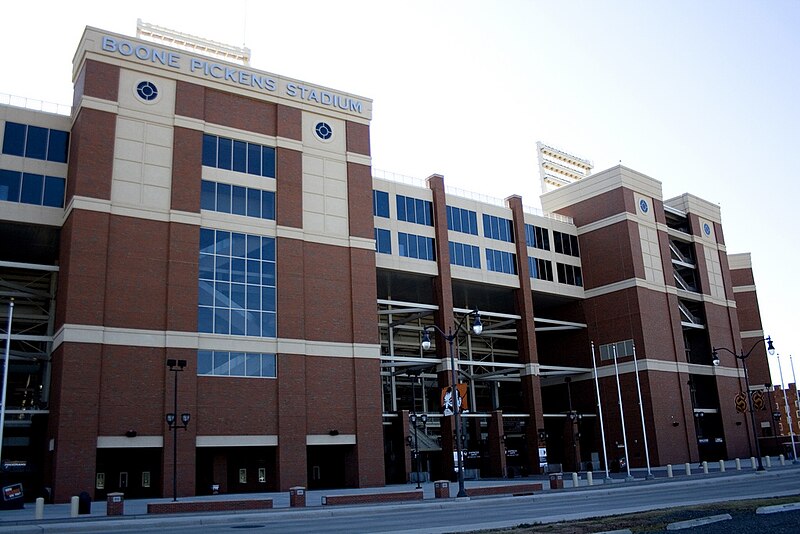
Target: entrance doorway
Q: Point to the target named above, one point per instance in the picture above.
(136, 472)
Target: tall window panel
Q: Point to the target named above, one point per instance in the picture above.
(238, 364)
(569, 274)
(383, 241)
(497, 228)
(236, 284)
(414, 210)
(380, 203)
(239, 156)
(238, 200)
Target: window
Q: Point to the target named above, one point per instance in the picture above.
(569, 274)
(462, 220)
(537, 237)
(540, 269)
(33, 189)
(380, 203)
(465, 255)
(415, 246)
(624, 348)
(236, 284)
(35, 142)
(244, 364)
(414, 210)
(501, 261)
(238, 200)
(383, 241)
(497, 228)
(566, 244)
(239, 156)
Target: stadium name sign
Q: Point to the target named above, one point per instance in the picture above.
(228, 73)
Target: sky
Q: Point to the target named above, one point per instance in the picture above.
(699, 95)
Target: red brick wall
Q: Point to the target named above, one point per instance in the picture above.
(358, 138)
(292, 413)
(290, 122)
(289, 194)
(187, 169)
(91, 154)
(221, 403)
(182, 276)
(609, 255)
(359, 201)
(100, 80)
(190, 100)
(600, 206)
(240, 112)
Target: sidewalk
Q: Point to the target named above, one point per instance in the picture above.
(57, 516)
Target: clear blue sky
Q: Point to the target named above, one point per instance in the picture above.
(701, 96)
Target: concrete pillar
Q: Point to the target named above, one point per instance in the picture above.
(688, 469)
(705, 467)
(589, 478)
(738, 464)
(669, 470)
(722, 466)
(73, 506)
(39, 513)
(576, 480)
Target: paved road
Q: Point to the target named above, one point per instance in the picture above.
(475, 514)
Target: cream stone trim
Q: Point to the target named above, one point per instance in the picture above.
(744, 289)
(30, 214)
(189, 123)
(326, 439)
(123, 442)
(185, 217)
(268, 440)
(98, 104)
(752, 334)
(240, 135)
(361, 159)
(741, 260)
(98, 335)
(688, 203)
(411, 265)
(291, 144)
(638, 282)
(237, 223)
(627, 366)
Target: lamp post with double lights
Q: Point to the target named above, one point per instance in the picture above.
(451, 336)
(743, 357)
(413, 419)
(176, 366)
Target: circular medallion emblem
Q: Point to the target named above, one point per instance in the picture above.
(706, 229)
(323, 130)
(643, 206)
(147, 91)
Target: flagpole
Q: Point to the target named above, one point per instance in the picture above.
(622, 415)
(5, 378)
(786, 402)
(641, 411)
(600, 414)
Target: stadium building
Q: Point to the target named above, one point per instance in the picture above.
(192, 221)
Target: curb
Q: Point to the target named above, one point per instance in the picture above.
(691, 523)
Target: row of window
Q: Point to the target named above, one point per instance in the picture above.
(414, 210)
(501, 261)
(247, 364)
(465, 255)
(569, 274)
(566, 244)
(239, 156)
(35, 142)
(28, 188)
(624, 348)
(540, 269)
(380, 203)
(415, 246)
(226, 198)
(462, 220)
(537, 237)
(497, 228)
(236, 284)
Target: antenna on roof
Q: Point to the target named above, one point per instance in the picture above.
(192, 43)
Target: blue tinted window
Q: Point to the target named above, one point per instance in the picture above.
(254, 159)
(268, 162)
(240, 156)
(224, 198)
(36, 143)
(54, 192)
(497, 228)
(501, 261)
(32, 189)
(383, 241)
(57, 146)
(208, 195)
(414, 210)
(268, 205)
(225, 153)
(10, 185)
(241, 298)
(14, 139)
(380, 204)
(239, 201)
(209, 150)
(465, 255)
(222, 363)
(205, 362)
(462, 220)
(253, 203)
(415, 246)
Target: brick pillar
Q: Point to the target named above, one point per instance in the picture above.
(496, 446)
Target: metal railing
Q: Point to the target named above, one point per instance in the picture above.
(33, 104)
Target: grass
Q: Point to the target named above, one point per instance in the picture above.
(653, 521)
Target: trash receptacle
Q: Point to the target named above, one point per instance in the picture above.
(84, 503)
(441, 489)
(115, 504)
(556, 481)
(297, 497)
(13, 497)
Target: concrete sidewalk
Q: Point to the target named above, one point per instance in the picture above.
(57, 516)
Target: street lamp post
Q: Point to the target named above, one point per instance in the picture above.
(451, 336)
(176, 366)
(743, 357)
(413, 419)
